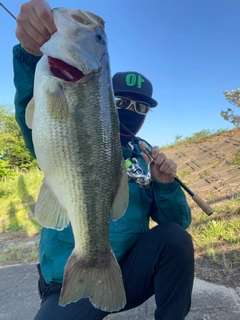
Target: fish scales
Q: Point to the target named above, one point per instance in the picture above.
(75, 133)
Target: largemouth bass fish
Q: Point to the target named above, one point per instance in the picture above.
(75, 130)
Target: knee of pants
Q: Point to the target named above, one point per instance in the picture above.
(173, 238)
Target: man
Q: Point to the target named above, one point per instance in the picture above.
(158, 261)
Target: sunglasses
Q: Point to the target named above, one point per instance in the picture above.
(139, 106)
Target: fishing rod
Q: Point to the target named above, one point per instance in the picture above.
(147, 149)
(7, 10)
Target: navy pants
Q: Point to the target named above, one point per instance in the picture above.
(161, 263)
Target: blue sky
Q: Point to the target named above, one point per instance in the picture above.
(188, 49)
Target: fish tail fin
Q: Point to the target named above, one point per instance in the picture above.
(101, 283)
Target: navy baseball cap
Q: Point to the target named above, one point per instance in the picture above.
(133, 83)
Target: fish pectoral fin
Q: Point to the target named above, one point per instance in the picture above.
(57, 105)
(102, 283)
(120, 202)
(48, 211)
(29, 113)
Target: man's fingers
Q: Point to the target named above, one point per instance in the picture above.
(45, 23)
(155, 152)
(35, 25)
(30, 38)
(168, 167)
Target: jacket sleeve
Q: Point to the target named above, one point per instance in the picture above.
(24, 65)
(170, 204)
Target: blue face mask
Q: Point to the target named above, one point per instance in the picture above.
(133, 121)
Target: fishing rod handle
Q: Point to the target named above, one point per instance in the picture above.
(203, 205)
(200, 202)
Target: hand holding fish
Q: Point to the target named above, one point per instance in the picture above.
(163, 169)
(35, 25)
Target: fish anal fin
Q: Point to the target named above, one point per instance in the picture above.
(57, 105)
(120, 202)
(29, 113)
(48, 211)
(102, 283)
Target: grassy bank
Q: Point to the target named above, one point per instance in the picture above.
(216, 237)
(18, 196)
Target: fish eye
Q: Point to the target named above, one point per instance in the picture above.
(99, 38)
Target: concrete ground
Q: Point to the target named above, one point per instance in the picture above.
(19, 299)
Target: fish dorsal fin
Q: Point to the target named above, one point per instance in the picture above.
(48, 211)
(120, 202)
(57, 105)
(29, 113)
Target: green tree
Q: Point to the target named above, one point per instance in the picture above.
(234, 98)
(14, 155)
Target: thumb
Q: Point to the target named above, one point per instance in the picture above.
(145, 157)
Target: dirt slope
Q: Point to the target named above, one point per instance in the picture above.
(211, 169)
(211, 166)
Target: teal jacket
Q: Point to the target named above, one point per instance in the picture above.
(160, 202)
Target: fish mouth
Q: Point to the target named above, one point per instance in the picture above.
(64, 71)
